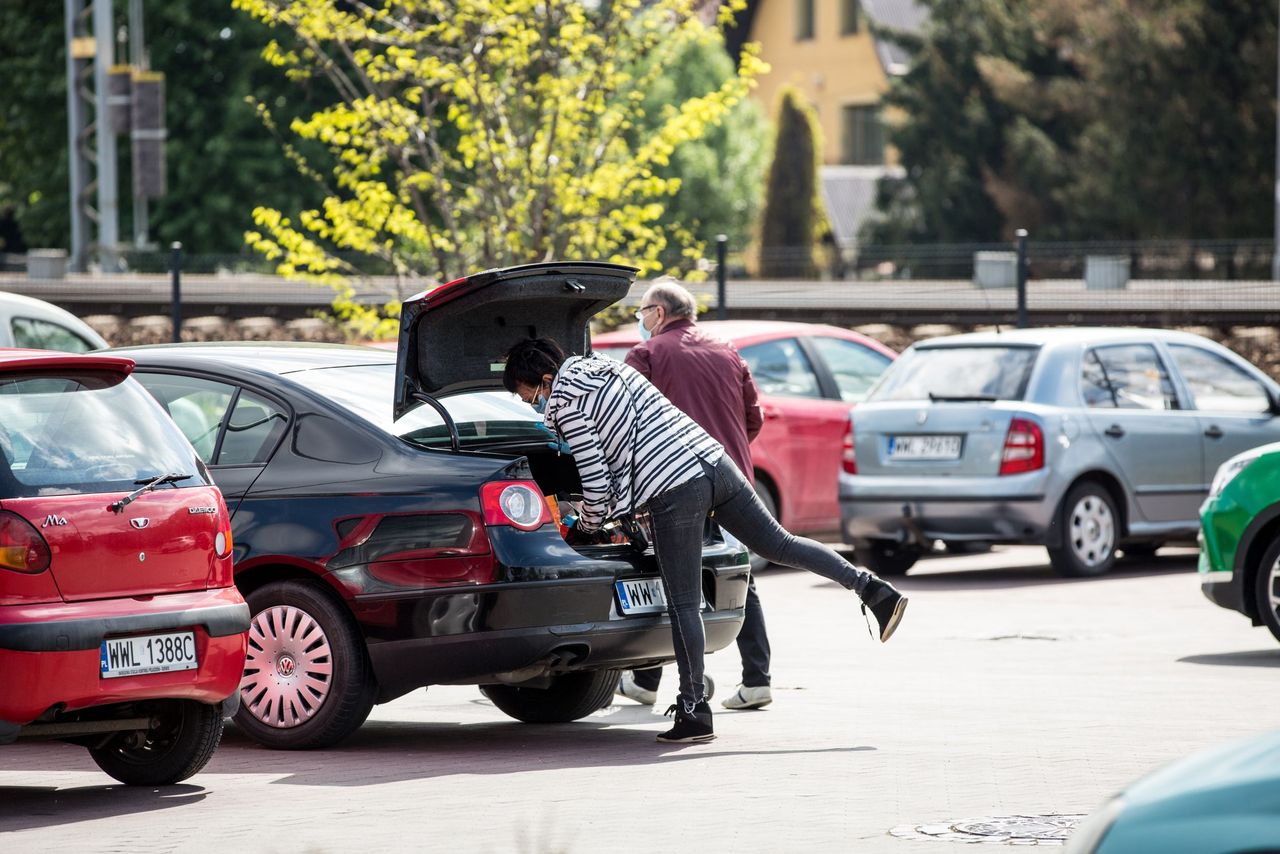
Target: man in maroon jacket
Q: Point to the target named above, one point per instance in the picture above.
(707, 379)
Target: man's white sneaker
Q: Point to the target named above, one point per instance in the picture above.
(628, 688)
(749, 698)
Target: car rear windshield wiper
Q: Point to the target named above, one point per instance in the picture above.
(962, 398)
(147, 486)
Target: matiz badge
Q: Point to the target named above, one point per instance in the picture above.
(194, 511)
(140, 522)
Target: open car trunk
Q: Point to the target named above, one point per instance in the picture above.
(452, 340)
(557, 477)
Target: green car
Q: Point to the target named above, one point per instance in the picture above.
(1240, 537)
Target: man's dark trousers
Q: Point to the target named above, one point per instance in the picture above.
(753, 644)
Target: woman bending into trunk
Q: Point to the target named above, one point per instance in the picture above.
(635, 450)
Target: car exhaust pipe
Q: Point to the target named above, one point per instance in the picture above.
(560, 659)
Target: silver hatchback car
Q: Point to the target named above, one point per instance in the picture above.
(1082, 440)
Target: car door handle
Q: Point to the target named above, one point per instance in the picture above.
(771, 413)
(1214, 432)
(1115, 431)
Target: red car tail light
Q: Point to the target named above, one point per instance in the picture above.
(517, 503)
(849, 457)
(22, 549)
(1023, 447)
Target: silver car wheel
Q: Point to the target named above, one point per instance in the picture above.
(1092, 531)
(288, 671)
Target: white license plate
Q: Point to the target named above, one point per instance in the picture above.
(924, 447)
(641, 596)
(645, 596)
(148, 654)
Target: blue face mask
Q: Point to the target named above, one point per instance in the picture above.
(539, 404)
(645, 334)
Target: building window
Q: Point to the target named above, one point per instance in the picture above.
(861, 136)
(804, 20)
(850, 17)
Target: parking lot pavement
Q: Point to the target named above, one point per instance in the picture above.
(1007, 691)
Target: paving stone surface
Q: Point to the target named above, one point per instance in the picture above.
(1007, 692)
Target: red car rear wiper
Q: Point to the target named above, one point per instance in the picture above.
(147, 486)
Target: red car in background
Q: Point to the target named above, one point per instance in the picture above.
(809, 375)
(120, 627)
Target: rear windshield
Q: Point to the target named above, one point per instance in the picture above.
(65, 434)
(483, 418)
(958, 373)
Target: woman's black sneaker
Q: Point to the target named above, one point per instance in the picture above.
(690, 727)
(886, 603)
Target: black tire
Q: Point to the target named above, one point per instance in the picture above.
(185, 739)
(571, 696)
(1140, 551)
(966, 547)
(284, 703)
(885, 557)
(1265, 583)
(1090, 528)
(766, 498)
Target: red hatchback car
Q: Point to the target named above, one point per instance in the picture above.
(120, 627)
(809, 375)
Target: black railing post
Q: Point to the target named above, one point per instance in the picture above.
(722, 310)
(175, 267)
(1022, 278)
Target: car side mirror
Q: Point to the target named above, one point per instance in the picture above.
(1273, 400)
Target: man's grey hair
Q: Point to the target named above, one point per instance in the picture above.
(671, 295)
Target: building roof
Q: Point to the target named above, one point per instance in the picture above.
(849, 195)
(907, 16)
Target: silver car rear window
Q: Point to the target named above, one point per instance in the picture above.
(958, 373)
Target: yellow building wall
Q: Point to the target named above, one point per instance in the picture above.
(832, 70)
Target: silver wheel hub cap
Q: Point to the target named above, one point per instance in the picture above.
(1273, 577)
(1092, 531)
(288, 672)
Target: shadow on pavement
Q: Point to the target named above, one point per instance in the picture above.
(937, 574)
(28, 808)
(396, 751)
(1251, 658)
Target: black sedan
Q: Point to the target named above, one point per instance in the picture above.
(381, 554)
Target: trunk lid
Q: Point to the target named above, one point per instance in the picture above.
(943, 410)
(926, 439)
(452, 338)
(163, 542)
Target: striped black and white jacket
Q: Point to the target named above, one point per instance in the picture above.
(628, 441)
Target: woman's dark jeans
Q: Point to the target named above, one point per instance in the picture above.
(678, 516)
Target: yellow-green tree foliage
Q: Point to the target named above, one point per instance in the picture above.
(469, 134)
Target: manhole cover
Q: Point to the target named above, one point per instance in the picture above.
(997, 830)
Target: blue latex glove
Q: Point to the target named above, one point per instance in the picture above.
(555, 444)
(569, 521)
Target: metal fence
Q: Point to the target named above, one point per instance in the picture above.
(1214, 283)
(1222, 260)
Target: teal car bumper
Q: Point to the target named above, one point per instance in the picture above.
(1226, 799)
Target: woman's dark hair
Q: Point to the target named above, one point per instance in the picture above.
(528, 361)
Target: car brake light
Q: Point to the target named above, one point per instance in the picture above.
(517, 503)
(1023, 447)
(222, 542)
(848, 457)
(22, 549)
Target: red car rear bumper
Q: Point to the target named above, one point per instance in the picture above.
(49, 653)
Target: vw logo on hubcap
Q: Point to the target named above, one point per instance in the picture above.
(285, 666)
